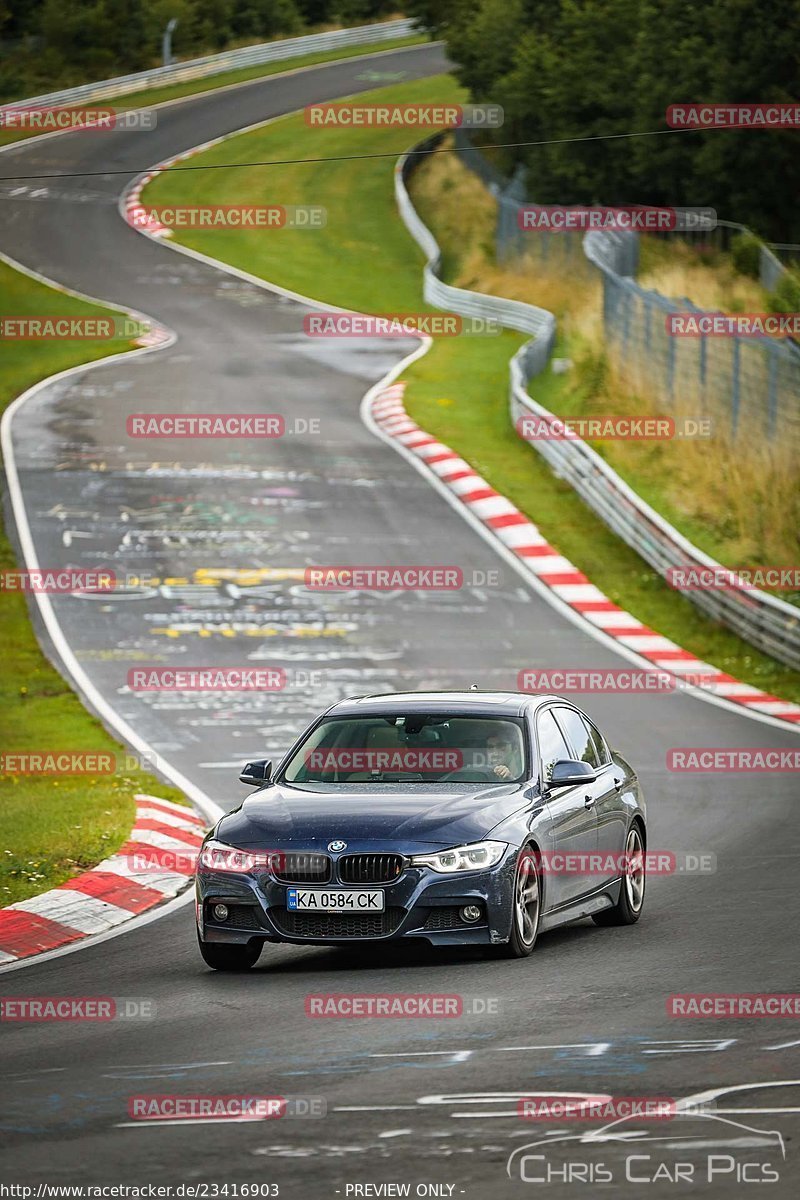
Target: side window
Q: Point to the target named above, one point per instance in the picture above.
(603, 755)
(552, 746)
(577, 732)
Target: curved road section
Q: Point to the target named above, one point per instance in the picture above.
(219, 533)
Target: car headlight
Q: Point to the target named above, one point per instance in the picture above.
(474, 857)
(217, 856)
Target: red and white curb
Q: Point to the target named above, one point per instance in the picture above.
(157, 335)
(165, 836)
(135, 212)
(571, 586)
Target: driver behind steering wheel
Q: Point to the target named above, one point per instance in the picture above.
(501, 756)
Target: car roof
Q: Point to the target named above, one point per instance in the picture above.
(463, 703)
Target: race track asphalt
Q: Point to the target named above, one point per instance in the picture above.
(420, 1102)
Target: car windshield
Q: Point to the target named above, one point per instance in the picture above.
(410, 747)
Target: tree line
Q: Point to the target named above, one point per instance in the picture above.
(48, 44)
(586, 68)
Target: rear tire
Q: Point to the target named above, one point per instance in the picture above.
(230, 958)
(629, 907)
(527, 907)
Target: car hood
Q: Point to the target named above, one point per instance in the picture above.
(282, 816)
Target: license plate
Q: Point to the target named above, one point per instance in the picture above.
(313, 900)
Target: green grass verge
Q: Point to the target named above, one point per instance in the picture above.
(195, 87)
(51, 827)
(365, 259)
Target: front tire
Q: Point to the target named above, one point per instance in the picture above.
(230, 958)
(629, 907)
(527, 907)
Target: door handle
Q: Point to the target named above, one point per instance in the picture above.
(589, 802)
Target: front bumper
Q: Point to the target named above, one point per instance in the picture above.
(419, 904)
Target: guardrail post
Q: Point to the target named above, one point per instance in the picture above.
(735, 386)
(166, 43)
(772, 393)
(703, 354)
(647, 327)
(626, 319)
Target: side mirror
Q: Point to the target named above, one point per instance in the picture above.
(256, 773)
(568, 771)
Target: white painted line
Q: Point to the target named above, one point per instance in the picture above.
(712, 1095)
(420, 1053)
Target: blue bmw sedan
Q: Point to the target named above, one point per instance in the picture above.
(457, 817)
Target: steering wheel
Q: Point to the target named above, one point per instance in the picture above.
(484, 772)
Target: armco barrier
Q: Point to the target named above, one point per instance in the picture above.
(749, 386)
(513, 314)
(229, 60)
(765, 621)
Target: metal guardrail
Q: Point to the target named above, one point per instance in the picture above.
(512, 314)
(765, 621)
(229, 60)
(749, 385)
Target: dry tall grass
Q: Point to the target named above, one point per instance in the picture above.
(739, 499)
